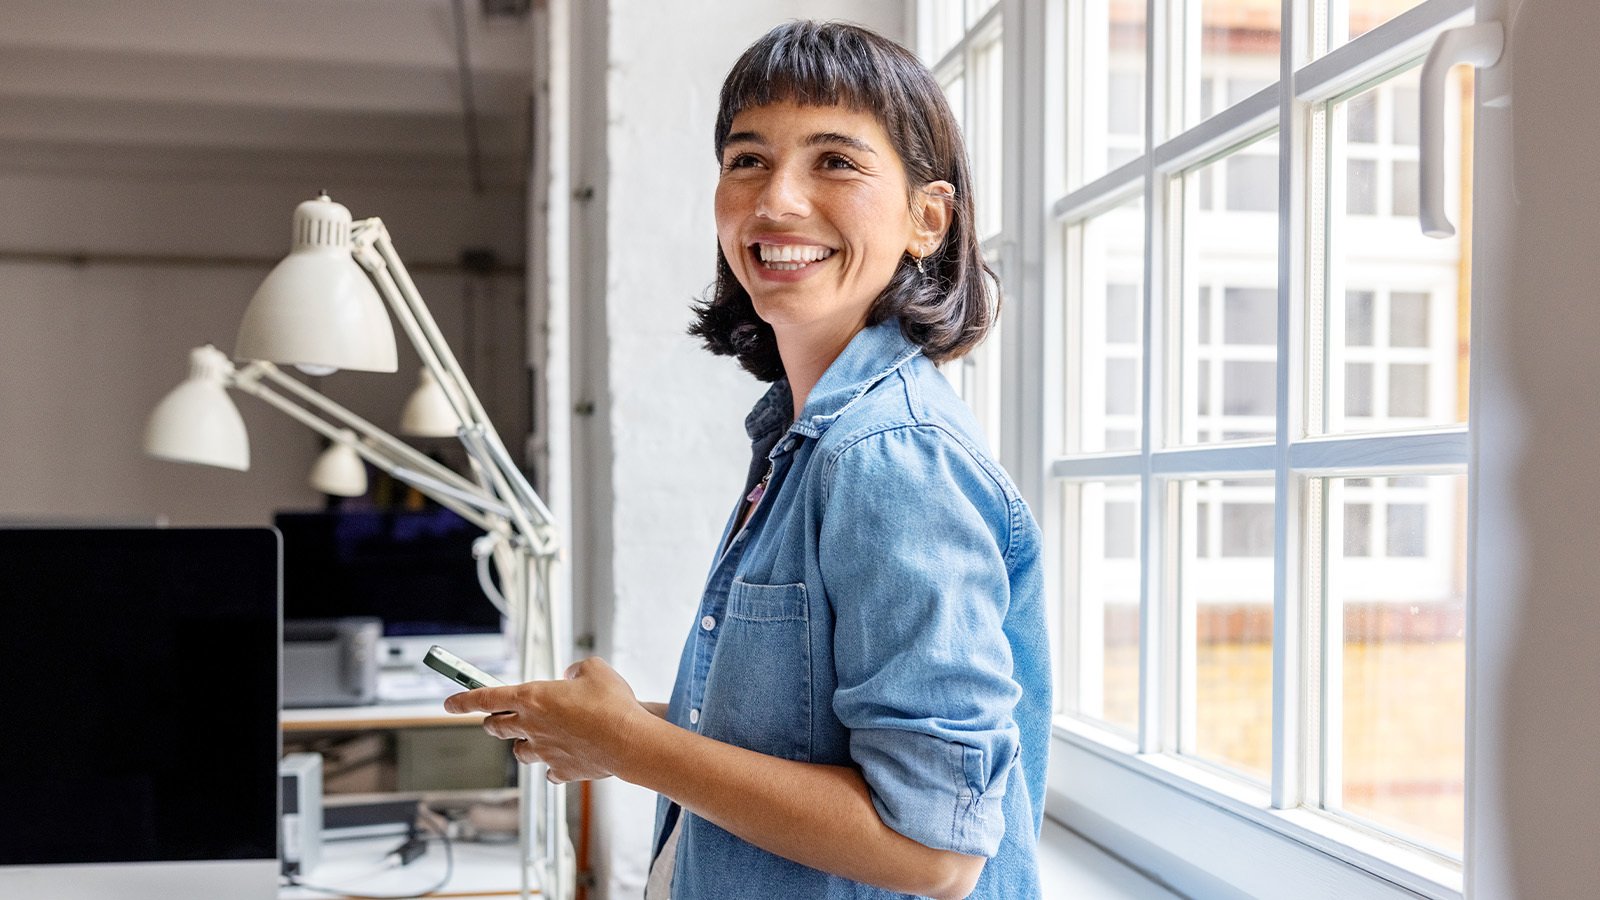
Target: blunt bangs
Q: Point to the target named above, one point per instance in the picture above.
(809, 64)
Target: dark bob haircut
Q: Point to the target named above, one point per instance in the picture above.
(946, 311)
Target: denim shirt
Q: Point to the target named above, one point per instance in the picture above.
(881, 609)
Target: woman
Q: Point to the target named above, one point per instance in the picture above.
(862, 705)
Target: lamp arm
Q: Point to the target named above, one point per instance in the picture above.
(394, 282)
(375, 251)
(468, 505)
(406, 454)
(540, 535)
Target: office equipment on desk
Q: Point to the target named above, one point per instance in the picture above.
(457, 843)
(140, 759)
(330, 662)
(412, 569)
(300, 836)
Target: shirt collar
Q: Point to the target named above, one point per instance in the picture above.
(874, 353)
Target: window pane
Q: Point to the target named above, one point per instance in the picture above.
(1122, 313)
(1106, 89)
(1249, 388)
(1406, 185)
(1253, 183)
(1407, 529)
(1125, 108)
(1358, 390)
(1358, 318)
(1361, 187)
(1408, 319)
(1406, 115)
(1230, 255)
(1246, 529)
(1101, 548)
(1397, 723)
(1408, 390)
(1122, 387)
(1357, 529)
(1353, 18)
(1235, 39)
(1397, 302)
(1361, 114)
(1251, 316)
(946, 25)
(1104, 352)
(1225, 594)
(985, 134)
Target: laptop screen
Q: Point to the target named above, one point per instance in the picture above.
(140, 694)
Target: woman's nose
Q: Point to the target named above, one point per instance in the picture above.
(783, 196)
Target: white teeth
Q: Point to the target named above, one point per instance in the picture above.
(792, 253)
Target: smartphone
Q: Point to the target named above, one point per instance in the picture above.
(459, 670)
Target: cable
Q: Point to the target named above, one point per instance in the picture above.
(482, 550)
(449, 870)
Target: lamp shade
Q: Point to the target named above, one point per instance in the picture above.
(197, 422)
(427, 412)
(316, 309)
(339, 470)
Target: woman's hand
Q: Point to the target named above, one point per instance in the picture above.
(577, 726)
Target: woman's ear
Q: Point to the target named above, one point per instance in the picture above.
(932, 209)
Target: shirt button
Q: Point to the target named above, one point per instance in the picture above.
(739, 537)
(694, 717)
(708, 623)
(790, 444)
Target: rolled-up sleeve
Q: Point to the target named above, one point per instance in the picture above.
(912, 548)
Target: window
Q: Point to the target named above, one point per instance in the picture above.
(961, 41)
(1239, 404)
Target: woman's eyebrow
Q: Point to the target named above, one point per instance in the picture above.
(816, 140)
(834, 137)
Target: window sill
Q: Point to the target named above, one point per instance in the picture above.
(1208, 835)
(1070, 866)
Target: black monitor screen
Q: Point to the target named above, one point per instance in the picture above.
(413, 570)
(140, 695)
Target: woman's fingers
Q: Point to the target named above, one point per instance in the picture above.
(504, 726)
(489, 700)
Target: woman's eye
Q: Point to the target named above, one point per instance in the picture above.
(741, 161)
(835, 161)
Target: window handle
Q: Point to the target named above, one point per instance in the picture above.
(1473, 45)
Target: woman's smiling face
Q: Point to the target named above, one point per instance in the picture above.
(813, 214)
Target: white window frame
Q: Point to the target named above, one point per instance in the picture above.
(1185, 823)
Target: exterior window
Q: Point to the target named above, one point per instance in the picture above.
(1237, 380)
(962, 41)
(1240, 398)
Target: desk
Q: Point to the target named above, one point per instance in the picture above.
(480, 870)
(381, 716)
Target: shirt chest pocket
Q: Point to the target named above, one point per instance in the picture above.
(758, 688)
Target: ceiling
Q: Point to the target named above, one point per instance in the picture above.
(341, 89)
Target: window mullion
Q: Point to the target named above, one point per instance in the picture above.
(1291, 750)
(1157, 703)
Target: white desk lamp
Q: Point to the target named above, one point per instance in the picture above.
(322, 309)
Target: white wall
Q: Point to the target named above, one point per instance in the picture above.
(668, 416)
(1533, 760)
